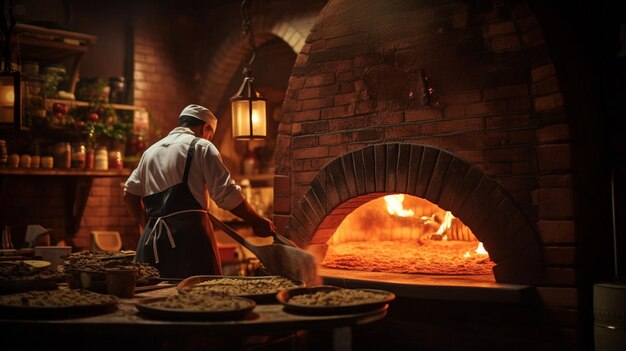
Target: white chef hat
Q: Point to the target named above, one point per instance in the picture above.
(202, 113)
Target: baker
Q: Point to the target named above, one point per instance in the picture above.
(168, 195)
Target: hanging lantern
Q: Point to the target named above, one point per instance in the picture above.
(11, 93)
(248, 106)
(248, 112)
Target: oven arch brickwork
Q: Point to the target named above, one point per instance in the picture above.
(430, 173)
(499, 107)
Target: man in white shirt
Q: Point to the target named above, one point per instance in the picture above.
(168, 194)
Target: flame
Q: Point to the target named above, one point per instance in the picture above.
(446, 224)
(481, 249)
(394, 206)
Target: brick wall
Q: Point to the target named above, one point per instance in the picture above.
(105, 210)
(497, 105)
(47, 201)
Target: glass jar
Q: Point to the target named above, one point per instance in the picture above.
(62, 154)
(115, 160)
(79, 155)
(101, 159)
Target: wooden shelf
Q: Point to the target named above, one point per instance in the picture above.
(51, 46)
(125, 172)
(77, 103)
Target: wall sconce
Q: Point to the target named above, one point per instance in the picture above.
(11, 94)
(11, 82)
(248, 106)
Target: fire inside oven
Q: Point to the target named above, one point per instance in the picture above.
(406, 234)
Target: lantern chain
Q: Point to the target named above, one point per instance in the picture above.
(247, 30)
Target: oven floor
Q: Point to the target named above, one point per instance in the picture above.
(437, 287)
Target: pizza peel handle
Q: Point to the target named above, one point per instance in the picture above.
(279, 259)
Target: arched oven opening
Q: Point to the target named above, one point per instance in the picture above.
(401, 233)
(408, 215)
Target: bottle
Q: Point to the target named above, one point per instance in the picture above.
(4, 155)
(79, 155)
(101, 159)
(89, 159)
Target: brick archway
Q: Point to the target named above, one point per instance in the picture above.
(430, 173)
(229, 57)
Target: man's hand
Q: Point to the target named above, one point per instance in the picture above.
(261, 226)
(264, 228)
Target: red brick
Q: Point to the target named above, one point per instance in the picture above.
(304, 177)
(304, 141)
(317, 104)
(402, 131)
(505, 92)
(349, 123)
(556, 203)
(346, 99)
(549, 102)
(556, 255)
(314, 152)
(388, 117)
(335, 138)
(422, 114)
(553, 133)
(499, 28)
(363, 107)
(308, 93)
(319, 80)
(547, 86)
(338, 111)
(556, 180)
(310, 164)
(557, 232)
(454, 111)
(554, 157)
(463, 97)
(522, 137)
(371, 134)
(533, 37)
(559, 297)
(296, 82)
(507, 121)
(485, 108)
(543, 72)
(504, 43)
(337, 66)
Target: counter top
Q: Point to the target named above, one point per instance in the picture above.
(126, 320)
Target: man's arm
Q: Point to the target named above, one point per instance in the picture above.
(135, 208)
(261, 226)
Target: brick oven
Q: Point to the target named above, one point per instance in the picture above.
(458, 104)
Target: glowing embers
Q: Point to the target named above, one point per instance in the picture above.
(406, 234)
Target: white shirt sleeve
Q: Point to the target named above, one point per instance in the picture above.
(221, 186)
(133, 184)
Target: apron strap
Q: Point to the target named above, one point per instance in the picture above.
(189, 159)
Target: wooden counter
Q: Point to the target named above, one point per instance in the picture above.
(126, 324)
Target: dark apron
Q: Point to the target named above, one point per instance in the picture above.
(178, 238)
